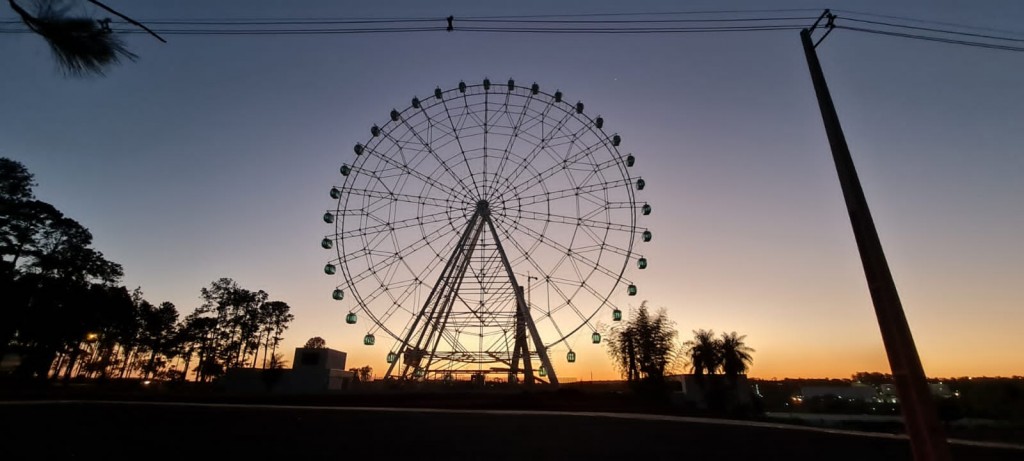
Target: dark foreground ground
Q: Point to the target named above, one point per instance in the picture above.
(97, 430)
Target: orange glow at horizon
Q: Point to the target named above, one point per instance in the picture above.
(773, 360)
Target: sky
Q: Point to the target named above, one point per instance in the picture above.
(212, 156)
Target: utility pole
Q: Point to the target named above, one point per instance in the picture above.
(529, 288)
(927, 437)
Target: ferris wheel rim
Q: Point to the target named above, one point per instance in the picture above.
(554, 101)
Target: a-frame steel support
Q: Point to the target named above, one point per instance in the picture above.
(429, 324)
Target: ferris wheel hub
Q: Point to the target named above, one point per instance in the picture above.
(483, 207)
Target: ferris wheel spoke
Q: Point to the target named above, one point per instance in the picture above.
(393, 257)
(405, 198)
(396, 302)
(397, 225)
(568, 159)
(583, 320)
(430, 150)
(471, 115)
(540, 269)
(412, 172)
(541, 197)
(557, 328)
(581, 159)
(566, 222)
(568, 303)
(547, 150)
(513, 137)
(589, 289)
(574, 221)
(567, 251)
(487, 114)
(608, 205)
(540, 147)
(458, 140)
(429, 268)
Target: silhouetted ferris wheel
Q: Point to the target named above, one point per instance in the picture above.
(457, 203)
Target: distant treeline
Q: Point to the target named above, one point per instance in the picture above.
(64, 313)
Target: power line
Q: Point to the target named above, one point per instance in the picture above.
(372, 20)
(289, 31)
(925, 21)
(650, 13)
(519, 30)
(548, 24)
(993, 46)
(634, 21)
(929, 29)
(635, 30)
(292, 22)
(288, 22)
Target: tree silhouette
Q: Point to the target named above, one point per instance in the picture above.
(54, 283)
(643, 346)
(278, 318)
(277, 362)
(734, 354)
(158, 334)
(197, 337)
(65, 315)
(703, 352)
(316, 342)
(240, 322)
(81, 45)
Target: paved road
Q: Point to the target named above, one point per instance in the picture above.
(132, 430)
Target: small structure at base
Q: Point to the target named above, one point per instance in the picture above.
(313, 371)
(713, 392)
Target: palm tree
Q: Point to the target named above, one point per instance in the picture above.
(82, 45)
(704, 352)
(734, 354)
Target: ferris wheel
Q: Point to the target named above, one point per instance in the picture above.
(482, 227)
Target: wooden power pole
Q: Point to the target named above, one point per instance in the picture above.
(927, 437)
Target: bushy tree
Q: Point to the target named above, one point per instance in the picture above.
(643, 346)
(158, 335)
(55, 285)
(232, 325)
(316, 342)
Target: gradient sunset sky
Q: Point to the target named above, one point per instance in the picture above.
(212, 157)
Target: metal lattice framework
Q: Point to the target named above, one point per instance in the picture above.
(462, 199)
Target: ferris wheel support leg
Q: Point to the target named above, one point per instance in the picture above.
(453, 293)
(445, 297)
(433, 298)
(513, 369)
(521, 348)
(542, 352)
